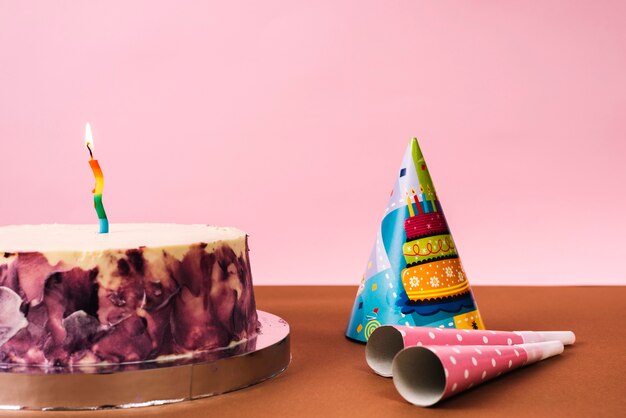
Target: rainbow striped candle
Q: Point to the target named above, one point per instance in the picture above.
(97, 191)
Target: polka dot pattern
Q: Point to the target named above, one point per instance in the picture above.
(469, 357)
(453, 336)
(465, 367)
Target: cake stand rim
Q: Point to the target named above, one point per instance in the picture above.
(163, 385)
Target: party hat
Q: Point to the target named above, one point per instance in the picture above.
(414, 275)
(426, 375)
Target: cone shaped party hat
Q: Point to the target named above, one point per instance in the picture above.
(414, 275)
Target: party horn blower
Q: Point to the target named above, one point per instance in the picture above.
(426, 375)
(386, 341)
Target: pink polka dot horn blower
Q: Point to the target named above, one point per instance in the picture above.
(387, 341)
(428, 374)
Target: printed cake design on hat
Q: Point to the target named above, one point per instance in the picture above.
(414, 275)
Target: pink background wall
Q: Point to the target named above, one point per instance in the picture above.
(289, 120)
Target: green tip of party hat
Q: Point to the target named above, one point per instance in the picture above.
(416, 152)
(426, 183)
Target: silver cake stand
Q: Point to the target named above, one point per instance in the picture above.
(150, 383)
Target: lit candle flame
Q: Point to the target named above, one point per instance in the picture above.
(89, 139)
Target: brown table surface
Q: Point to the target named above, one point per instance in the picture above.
(328, 375)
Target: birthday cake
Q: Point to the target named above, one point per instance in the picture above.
(70, 296)
(433, 269)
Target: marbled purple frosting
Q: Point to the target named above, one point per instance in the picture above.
(145, 308)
